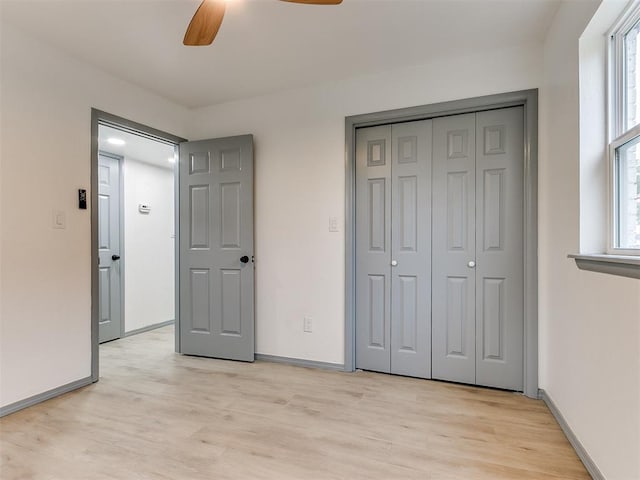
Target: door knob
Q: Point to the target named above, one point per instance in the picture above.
(471, 264)
(115, 257)
(244, 259)
(394, 263)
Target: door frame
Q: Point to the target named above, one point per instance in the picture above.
(120, 160)
(99, 117)
(528, 99)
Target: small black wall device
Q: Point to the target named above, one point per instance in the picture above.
(82, 199)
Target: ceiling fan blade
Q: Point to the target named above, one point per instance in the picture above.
(316, 2)
(205, 23)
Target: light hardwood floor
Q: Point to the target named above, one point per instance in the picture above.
(158, 415)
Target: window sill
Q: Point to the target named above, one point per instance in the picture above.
(621, 265)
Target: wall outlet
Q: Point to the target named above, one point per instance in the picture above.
(308, 325)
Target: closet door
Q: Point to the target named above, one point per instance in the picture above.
(478, 273)
(373, 249)
(499, 258)
(411, 249)
(393, 249)
(454, 248)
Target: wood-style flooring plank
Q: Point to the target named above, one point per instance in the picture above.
(158, 415)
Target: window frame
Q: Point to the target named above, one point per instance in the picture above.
(617, 136)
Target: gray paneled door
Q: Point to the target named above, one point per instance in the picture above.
(393, 229)
(478, 267)
(454, 246)
(500, 248)
(216, 277)
(109, 271)
(439, 248)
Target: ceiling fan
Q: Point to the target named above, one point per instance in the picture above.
(207, 20)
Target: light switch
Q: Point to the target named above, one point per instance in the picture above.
(59, 220)
(333, 224)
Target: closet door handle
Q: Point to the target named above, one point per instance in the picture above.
(471, 264)
(394, 263)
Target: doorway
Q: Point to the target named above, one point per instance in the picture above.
(118, 144)
(416, 346)
(212, 200)
(136, 233)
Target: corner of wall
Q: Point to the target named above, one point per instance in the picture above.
(589, 328)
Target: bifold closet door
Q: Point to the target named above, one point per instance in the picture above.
(393, 230)
(478, 306)
(411, 249)
(373, 248)
(454, 248)
(500, 248)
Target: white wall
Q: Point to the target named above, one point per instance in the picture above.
(589, 322)
(300, 183)
(45, 302)
(149, 246)
(593, 125)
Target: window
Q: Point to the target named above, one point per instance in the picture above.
(624, 134)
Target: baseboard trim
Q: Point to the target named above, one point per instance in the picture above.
(41, 397)
(148, 328)
(588, 463)
(299, 362)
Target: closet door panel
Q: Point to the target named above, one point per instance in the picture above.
(411, 249)
(454, 247)
(500, 266)
(373, 249)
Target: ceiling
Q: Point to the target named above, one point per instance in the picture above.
(136, 147)
(265, 46)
